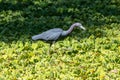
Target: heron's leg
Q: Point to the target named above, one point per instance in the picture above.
(50, 47)
(53, 46)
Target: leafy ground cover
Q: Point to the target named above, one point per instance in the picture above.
(93, 54)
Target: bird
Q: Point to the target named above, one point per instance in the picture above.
(55, 33)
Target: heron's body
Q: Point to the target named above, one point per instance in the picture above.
(54, 34)
(50, 35)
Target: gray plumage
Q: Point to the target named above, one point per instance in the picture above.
(54, 34)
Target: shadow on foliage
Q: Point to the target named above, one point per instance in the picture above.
(14, 5)
(21, 19)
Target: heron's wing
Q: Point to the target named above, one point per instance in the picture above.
(52, 34)
(36, 37)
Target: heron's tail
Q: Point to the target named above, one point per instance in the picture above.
(36, 37)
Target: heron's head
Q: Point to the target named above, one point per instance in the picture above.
(80, 26)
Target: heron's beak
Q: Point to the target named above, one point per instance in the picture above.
(81, 27)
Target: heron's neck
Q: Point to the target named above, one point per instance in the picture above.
(65, 33)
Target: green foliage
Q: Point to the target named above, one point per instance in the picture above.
(93, 54)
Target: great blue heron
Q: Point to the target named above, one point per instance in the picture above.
(54, 34)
